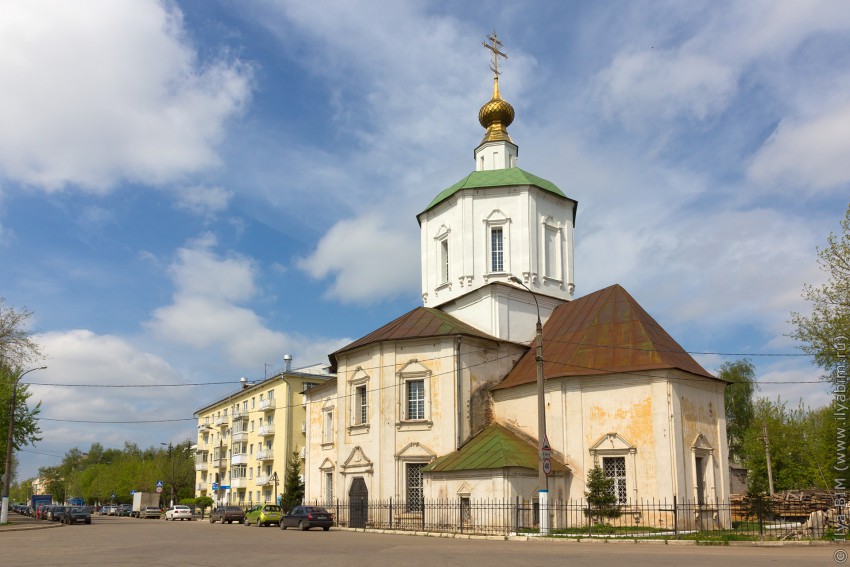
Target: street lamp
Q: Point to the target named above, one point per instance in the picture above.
(543, 459)
(4, 513)
(171, 458)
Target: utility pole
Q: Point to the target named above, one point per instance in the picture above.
(767, 456)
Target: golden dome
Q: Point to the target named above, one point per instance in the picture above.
(496, 116)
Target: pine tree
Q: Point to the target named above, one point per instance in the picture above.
(293, 487)
(601, 500)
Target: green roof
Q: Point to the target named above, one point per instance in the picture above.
(496, 178)
(496, 447)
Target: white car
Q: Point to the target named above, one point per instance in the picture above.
(179, 512)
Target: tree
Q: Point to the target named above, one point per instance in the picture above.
(16, 345)
(803, 449)
(293, 487)
(203, 502)
(738, 400)
(601, 500)
(826, 332)
(27, 431)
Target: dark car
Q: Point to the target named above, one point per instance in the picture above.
(55, 513)
(227, 514)
(76, 515)
(306, 517)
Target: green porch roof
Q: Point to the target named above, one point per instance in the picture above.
(496, 447)
(496, 178)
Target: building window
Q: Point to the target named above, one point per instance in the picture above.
(329, 426)
(414, 490)
(551, 250)
(362, 405)
(271, 394)
(444, 260)
(699, 463)
(415, 399)
(329, 486)
(308, 385)
(497, 252)
(615, 467)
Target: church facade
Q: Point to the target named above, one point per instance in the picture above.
(442, 402)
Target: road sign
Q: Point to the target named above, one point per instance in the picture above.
(215, 486)
(159, 489)
(159, 484)
(547, 467)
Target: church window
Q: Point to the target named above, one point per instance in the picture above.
(444, 260)
(413, 480)
(700, 473)
(497, 256)
(329, 426)
(615, 467)
(551, 252)
(329, 486)
(362, 405)
(415, 399)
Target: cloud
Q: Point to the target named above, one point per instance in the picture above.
(203, 201)
(655, 83)
(97, 92)
(810, 154)
(367, 259)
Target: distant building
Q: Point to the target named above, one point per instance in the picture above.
(246, 439)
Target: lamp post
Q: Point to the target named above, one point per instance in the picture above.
(4, 513)
(542, 480)
(171, 458)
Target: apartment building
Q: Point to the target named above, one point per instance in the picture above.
(246, 439)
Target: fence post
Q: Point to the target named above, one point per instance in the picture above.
(760, 514)
(460, 509)
(675, 516)
(424, 506)
(391, 512)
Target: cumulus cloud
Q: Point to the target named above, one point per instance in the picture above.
(809, 153)
(366, 258)
(96, 92)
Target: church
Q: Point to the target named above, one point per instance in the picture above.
(443, 402)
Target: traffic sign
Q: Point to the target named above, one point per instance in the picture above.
(159, 484)
(159, 489)
(547, 467)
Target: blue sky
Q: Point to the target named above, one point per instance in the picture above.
(189, 190)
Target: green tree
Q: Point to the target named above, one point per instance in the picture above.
(203, 502)
(825, 333)
(738, 400)
(803, 451)
(293, 487)
(27, 431)
(601, 499)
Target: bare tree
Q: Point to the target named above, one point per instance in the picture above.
(16, 345)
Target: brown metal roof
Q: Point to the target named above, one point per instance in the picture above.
(602, 333)
(421, 322)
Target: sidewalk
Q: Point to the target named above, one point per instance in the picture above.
(18, 522)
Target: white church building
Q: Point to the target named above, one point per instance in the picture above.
(442, 402)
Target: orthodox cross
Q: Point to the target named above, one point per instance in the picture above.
(494, 48)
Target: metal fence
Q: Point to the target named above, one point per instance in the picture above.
(747, 519)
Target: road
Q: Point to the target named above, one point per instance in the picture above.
(129, 541)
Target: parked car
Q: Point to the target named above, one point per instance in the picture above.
(125, 510)
(178, 512)
(54, 514)
(263, 515)
(306, 517)
(150, 512)
(76, 515)
(227, 514)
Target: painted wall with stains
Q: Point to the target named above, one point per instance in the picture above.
(379, 447)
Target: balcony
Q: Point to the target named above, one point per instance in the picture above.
(265, 455)
(220, 421)
(201, 486)
(237, 414)
(220, 463)
(262, 481)
(265, 430)
(239, 482)
(202, 466)
(304, 427)
(202, 427)
(239, 459)
(238, 436)
(266, 405)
